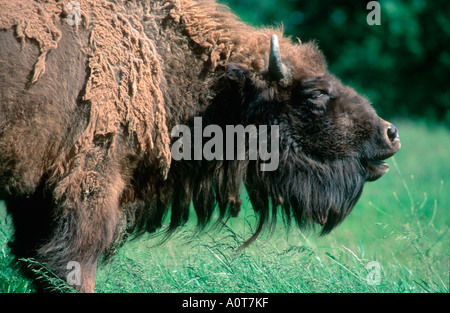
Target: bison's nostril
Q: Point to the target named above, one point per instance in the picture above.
(392, 133)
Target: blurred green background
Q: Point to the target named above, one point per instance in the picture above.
(402, 65)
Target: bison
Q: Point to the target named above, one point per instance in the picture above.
(90, 92)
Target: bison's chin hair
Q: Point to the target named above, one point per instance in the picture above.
(307, 191)
(313, 192)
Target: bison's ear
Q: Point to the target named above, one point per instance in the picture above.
(237, 72)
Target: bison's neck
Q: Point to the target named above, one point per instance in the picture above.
(195, 40)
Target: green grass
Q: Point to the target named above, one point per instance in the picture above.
(401, 222)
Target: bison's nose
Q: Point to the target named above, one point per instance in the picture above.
(392, 133)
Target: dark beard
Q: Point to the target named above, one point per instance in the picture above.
(306, 191)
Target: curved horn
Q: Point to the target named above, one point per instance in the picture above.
(276, 67)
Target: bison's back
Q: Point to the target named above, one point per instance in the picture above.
(69, 91)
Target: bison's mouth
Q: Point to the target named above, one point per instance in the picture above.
(376, 165)
(375, 169)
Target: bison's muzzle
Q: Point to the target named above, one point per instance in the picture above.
(376, 166)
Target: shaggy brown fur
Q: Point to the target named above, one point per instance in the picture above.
(85, 114)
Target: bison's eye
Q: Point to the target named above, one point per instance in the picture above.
(316, 94)
(316, 101)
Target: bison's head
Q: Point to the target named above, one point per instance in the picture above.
(331, 139)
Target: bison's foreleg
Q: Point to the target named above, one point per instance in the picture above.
(87, 220)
